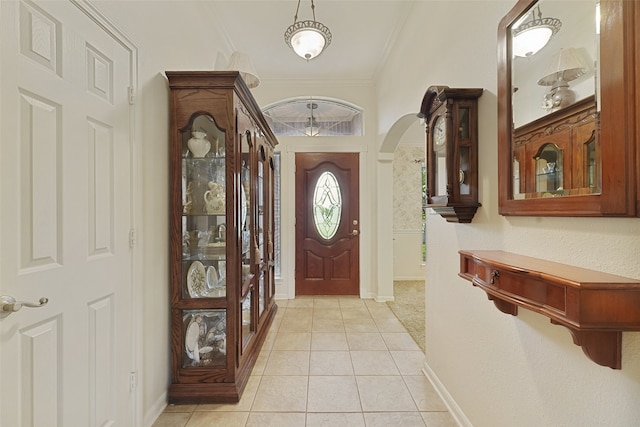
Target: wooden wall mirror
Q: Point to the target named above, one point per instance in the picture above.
(569, 152)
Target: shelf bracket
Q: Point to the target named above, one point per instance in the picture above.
(603, 347)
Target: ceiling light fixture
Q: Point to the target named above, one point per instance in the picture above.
(531, 36)
(307, 38)
(312, 128)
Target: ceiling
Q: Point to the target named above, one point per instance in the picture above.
(362, 35)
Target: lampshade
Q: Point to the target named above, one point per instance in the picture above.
(565, 65)
(529, 36)
(241, 62)
(307, 38)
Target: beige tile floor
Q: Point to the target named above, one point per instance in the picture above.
(329, 361)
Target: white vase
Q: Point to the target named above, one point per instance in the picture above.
(198, 144)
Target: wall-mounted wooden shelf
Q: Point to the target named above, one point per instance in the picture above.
(596, 307)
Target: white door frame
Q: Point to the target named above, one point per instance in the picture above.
(136, 204)
(287, 219)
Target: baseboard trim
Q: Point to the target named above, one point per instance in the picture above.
(454, 409)
(408, 278)
(156, 409)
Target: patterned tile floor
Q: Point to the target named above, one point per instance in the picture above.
(329, 361)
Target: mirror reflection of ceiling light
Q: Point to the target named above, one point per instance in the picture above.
(308, 39)
(533, 32)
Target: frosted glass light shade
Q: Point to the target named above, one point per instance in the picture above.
(532, 32)
(307, 38)
(530, 41)
(307, 43)
(241, 62)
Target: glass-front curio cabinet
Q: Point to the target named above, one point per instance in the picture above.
(221, 235)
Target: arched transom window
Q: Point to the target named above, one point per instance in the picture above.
(314, 116)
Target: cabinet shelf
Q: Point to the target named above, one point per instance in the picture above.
(596, 307)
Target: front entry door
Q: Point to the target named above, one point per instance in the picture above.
(327, 224)
(66, 197)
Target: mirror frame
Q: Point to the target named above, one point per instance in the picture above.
(619, 119)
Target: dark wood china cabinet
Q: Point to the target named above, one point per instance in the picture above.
(221, 235)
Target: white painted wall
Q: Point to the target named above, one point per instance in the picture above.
(503, 370)
(163, 45)
(408, 160)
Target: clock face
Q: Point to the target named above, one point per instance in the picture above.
(440, 131)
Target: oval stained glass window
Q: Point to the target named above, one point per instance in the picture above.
(327, 205)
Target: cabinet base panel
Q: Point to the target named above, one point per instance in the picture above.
(204, 393)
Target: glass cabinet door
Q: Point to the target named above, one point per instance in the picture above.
(271, 252)
(464, 160)
(205, 338)
(549, 169)
(203, 241)
(203, 210)
(260, 229)
(246, 199)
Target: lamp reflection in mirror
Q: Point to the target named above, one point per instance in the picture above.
(307, 38)
(241, 62)
(565, 66)
(532, 32)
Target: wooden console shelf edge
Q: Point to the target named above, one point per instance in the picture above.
(596, 307)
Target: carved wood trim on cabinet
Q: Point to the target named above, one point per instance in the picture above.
(596, 307)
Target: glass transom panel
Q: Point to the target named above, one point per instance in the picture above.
(327, 205)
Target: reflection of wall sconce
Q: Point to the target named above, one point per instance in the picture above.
(532, 33)
(564, 67)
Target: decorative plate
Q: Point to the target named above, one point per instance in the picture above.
(243, 204)
(206, 349)
(212, 279)
(196, 277)
(191, 339)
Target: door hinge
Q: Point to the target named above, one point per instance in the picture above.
(132, 381)
(133, 238)
(132, 95)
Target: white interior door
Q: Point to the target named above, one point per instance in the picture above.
(66, 215)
